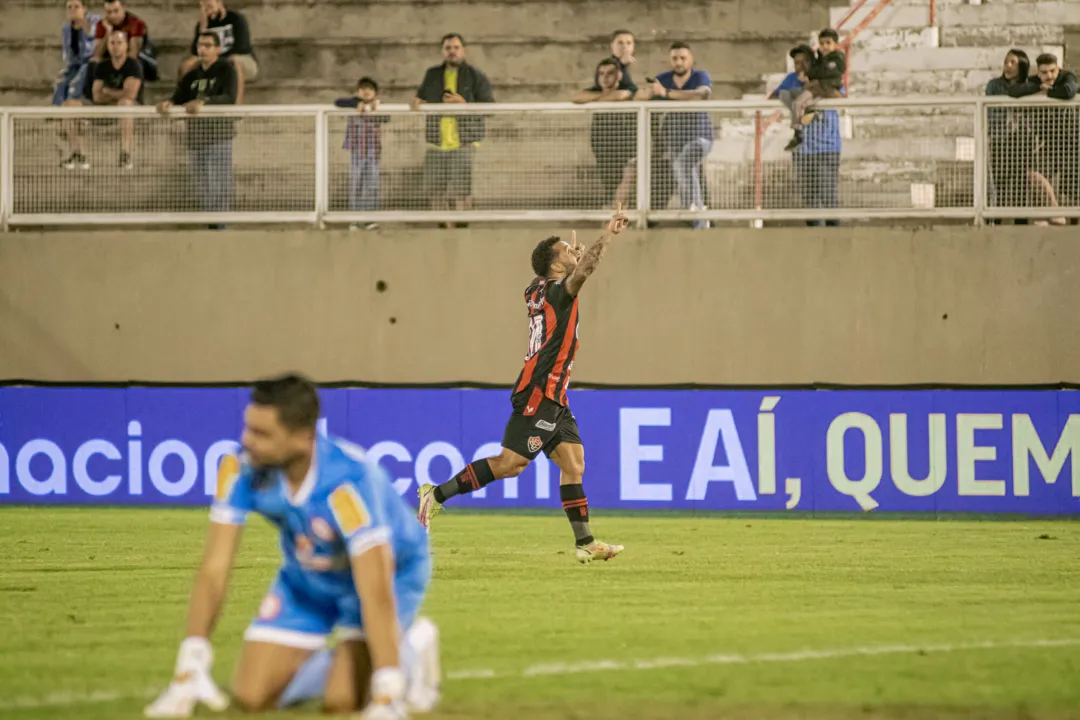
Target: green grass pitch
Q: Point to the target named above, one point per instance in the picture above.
(701, 617)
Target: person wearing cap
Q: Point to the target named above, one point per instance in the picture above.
(363, 140)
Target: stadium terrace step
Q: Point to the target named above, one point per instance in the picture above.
(303, 92)
(428, 21)
(927, 149)
(943, 58)
(285, 189)
(960, 14)
(1061, 12)
(504, 61)
(873, 124)
(995, 35)
(871, 40)
(898, 83)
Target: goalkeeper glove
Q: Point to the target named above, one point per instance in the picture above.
(387, 696)
(191, 683)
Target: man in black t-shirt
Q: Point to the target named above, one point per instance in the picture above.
(234, 36)
(118, 81)
(612, 135)
(211, 82)
(622, 49)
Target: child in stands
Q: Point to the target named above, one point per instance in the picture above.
(825, 79)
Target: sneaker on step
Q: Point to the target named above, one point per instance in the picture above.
(76, 160)
(596, 550)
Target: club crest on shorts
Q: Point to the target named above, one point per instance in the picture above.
(535, 444)
(322, 529)
(269, 608)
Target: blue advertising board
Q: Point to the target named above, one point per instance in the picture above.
(983, 451)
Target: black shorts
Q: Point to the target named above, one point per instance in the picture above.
(449, 172)
(538, 424)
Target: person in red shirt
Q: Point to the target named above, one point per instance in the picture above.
(118, 18)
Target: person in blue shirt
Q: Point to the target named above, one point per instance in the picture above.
(817, 158)
(77, 46)
(73, 83)
(687, 136)
(355, 560)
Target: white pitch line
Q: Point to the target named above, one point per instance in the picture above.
(62, 699)
(735, 659)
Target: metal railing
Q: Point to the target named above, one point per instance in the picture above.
(921, 157)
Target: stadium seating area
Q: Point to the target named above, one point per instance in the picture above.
(311, 52)
(532, 51)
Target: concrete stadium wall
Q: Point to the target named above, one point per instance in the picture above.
(856, 306)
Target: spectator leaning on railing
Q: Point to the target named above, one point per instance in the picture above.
(1056, 131)
(817, 158)
(452, 140)
(209, 139)
(363, 140)
(118, 81)
(612, 135)
(687, 136)
(1010, 138)
(234, 35)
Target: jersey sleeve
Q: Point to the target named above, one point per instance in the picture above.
(234, 497)
(558, 295)
(359, 516)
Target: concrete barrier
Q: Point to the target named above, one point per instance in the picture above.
(785, 306)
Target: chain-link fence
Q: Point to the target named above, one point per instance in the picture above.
(167, 165)
(1033, 161)
(673, 161)
(503, 161)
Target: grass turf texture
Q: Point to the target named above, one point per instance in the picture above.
(94, 600)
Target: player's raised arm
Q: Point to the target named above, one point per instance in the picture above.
(591, 258)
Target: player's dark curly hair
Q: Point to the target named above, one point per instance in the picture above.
(543, 255)
(293, 396)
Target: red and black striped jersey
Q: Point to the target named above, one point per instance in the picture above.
(553, 339)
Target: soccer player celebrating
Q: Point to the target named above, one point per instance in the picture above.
(355, 560)
(541, 419)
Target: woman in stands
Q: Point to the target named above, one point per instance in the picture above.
(1011, 139)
